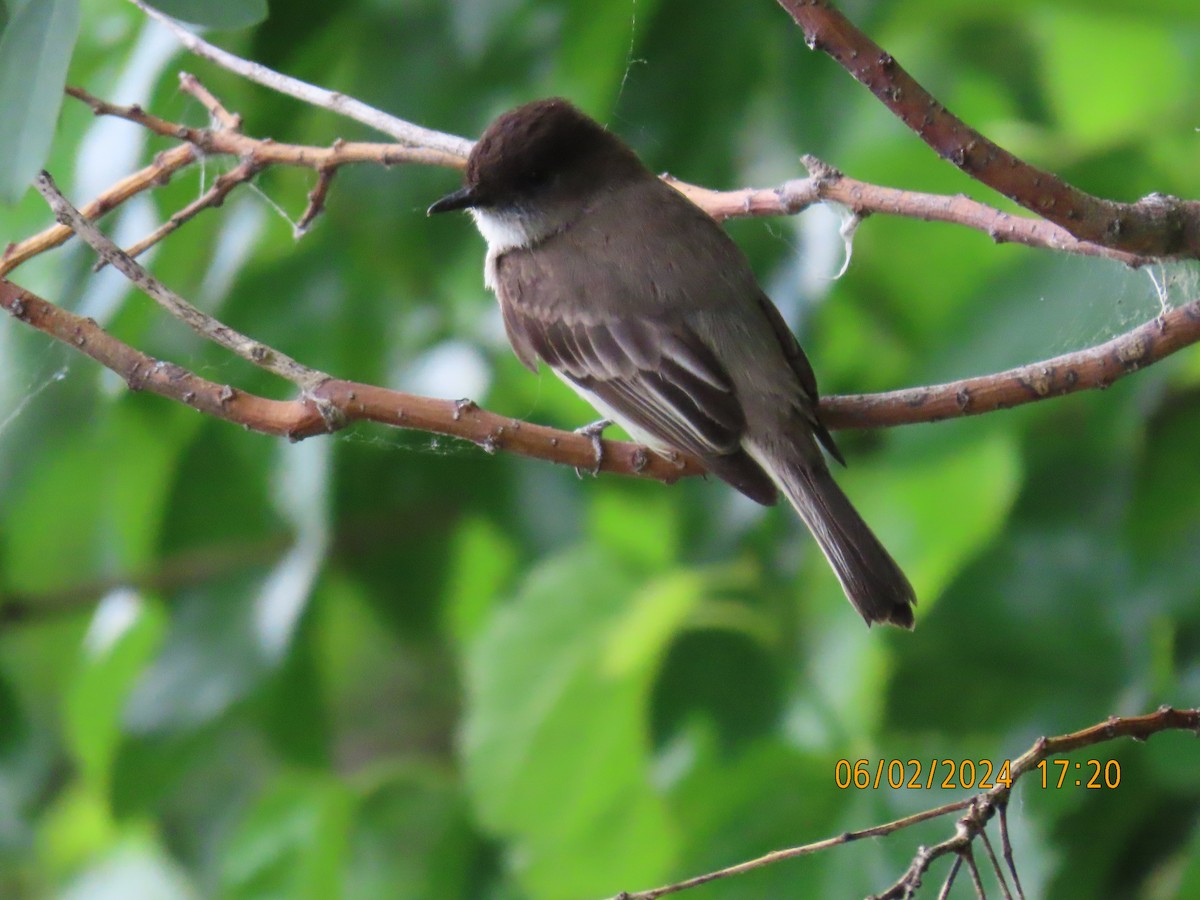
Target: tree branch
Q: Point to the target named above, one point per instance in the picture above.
(159, 172)
(823, 184)
(330, 403)
(1094, 368)
(348, 400)
(405, 132)
(826, 183)
(1156, 225)
(452, 150)
(334, 403)
(980, 808)
(202, 323)
(228, 141)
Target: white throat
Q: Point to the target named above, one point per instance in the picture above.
(503, 230)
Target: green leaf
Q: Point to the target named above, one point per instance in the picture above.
(292, 843)
(103, 681)
(556, 742)
(78, 826)
(58, 499)
(222, 14)
(1088, 58)
(1188, 859)
(35, 51)
(211, 658)
(1162, 514)
(636, 520)
(411, 837)
(738, 806)
(484, 560)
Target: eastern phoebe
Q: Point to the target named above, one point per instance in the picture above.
(639, 301)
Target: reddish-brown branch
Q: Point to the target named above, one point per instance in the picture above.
(159, 172)
(863, 199)
(1095, 367)
(316, 199)
(824, 183)
(199, 321)
(1156, 225)
(334, 402)
(190, 84)
(348, 401)
(234, 143)
(221, 187)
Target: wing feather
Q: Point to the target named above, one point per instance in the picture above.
(664, 381)
(632, 348)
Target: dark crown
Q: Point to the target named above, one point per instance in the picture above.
(528, 145)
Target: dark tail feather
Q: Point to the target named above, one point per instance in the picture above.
(869, 575)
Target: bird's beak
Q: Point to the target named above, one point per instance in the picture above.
(463, 198)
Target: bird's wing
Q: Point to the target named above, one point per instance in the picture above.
(655, 375)
(663, 382)
(804, 375)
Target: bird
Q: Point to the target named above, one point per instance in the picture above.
(642, 303)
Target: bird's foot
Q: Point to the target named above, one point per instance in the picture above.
(594, 431)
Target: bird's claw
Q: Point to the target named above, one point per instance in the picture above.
(594, 431)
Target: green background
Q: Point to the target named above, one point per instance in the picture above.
(380, 664)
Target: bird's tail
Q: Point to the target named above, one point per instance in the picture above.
(869, 576)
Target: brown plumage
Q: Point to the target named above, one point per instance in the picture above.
(642, 303)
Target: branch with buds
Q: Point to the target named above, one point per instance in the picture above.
(327, 404)
(977, 811)
(1063, 219)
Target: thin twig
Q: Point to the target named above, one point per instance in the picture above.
(980, 807)
(203, 324)
(213, 197)
(234, 143)
(828, 184)
(404, 132)
(1096, 367)
(220, 189)
(777, 856)
(349, 402)
(190, 84)
(316, 198)
(1006, 847)
(996, 867)
(950, 876)
(1156, 225)
(158, 173)
(973, 868)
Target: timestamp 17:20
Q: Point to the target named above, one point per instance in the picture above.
(1104, 773)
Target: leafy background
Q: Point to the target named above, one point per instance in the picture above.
(381, 664)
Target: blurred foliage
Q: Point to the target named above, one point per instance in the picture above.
(383, 664)
(35, 48)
